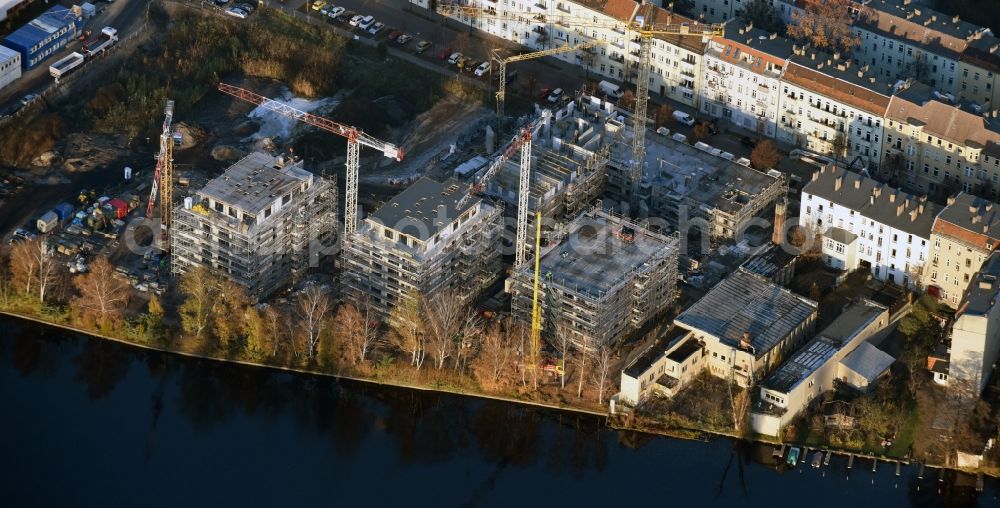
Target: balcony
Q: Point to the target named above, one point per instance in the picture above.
(562, 7)
(688, 73)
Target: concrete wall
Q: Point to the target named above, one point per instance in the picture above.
(975, 347)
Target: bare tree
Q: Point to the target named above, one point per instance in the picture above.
(33, 267)
(200, 288)
(580, 365)
(826, 24)
(358, 329)
(312, 309)
(491, 367)
(407, 322)
(563, 333)
(602, 366)
(443, 316)
(739, 402)
(104, 295)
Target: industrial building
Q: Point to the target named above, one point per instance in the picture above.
(10, 66)
(428, 240)
(840, 353)
(601, 276)
(696, 187)
(43, 36)
(262, 223)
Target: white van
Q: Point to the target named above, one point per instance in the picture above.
(610, 89)
(684, 118)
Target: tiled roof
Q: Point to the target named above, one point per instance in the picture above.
(619, 9)
(838, 80)
(918, 25)
(970, 219)
(916, 106)
(741, 41)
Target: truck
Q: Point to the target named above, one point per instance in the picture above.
(610, 89)
(47, 222)
(62, 66)
(96, 45)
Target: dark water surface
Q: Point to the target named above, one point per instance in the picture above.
(86, 422)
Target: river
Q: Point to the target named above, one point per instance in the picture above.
(87, 422)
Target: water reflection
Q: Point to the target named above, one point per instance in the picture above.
(151, 420)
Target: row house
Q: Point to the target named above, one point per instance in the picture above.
(884, 230)
(963, 236)
(938, 148)
(830, 106)
(741, 75)
(718, 11)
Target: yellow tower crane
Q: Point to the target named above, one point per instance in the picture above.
(640, 27)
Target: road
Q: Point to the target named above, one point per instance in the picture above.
(124, 15)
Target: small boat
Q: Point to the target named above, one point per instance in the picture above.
(826, 458)
(793, 456)
(817, 460)
(778, 452)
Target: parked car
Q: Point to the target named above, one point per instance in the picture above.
(318, 4)
(423, 46)
(326, 10)
(403, 39)
(345, 16)
(453, 59)
(245, 7)
(555, 95)
(28, 99)
(366, 22)
(236, 13)
(684, 118)
(335, 11)
(376, 28)
(443, 54)
(483, 69)
(470, 65)
(220, 3)
(393, 35)
(356, 19)
(748, 143)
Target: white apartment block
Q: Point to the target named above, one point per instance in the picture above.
(975, 335)
(10, 66)
(741, 75)
(892, 228)
(832, 107)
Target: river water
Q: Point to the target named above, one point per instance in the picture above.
(87, 422)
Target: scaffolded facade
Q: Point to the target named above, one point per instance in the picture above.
(426, 240)
(262, 224)
(600, 276)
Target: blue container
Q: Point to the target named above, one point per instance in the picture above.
(63, 210)
(44, 36)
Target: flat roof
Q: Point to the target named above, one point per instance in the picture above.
(7, 54)
(681, 170)
(856, 192)
(744, 302)
(647, 358)
(46, 24)
(427, 205)
(823, 347)
(983, 289)
(601, 252)
(256, 181)
(685, 350)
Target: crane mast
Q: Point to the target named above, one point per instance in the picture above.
(639, 120)
(355, 138)
(163, 176)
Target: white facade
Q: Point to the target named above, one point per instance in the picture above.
(840, 249)
(10, 66)
(893, 227)
(975, 335)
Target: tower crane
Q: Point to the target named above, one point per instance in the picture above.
(163, 177)
(644, 29)
(503, 61)
(355, 138)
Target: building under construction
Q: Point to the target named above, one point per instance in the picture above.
(427, 240)
(568, 167)
(685, 184)
(600, 277)
(262, 223)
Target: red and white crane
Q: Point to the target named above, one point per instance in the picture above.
(355, 138)
(164, 175)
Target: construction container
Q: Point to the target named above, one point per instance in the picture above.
(44, 36)
(48, 222)
(10, 66)
(63, 210)
(119, 207)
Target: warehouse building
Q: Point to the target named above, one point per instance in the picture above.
(601, 276)
(262, 223)
(428, 240)
(10, 66)
(43, 36)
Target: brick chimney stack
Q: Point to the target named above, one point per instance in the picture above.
(780, 209)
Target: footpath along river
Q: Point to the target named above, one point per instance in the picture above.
(88, 422)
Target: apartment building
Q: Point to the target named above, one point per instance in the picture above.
(741, 75)
(979, 72)
(963, 237)
(262, 223)
(717, 11)
(838, 354)
(602, 276)
(426, 240)
(889, 229)
(975, 334)
(833, 107)
(939, 148)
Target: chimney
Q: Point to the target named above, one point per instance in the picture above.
(899, 210)
(877, 191)
(829, 62)
(913, 215)
(985, 283)
(916, 12)
(920, 208)
(861, 73)
(812, 56)
(871, 200)
(780, 208)
(989, 206)
(774, 35)
(976, 219)
(955, 19)
(816, 175)
(836, 55)
(986, 228)
(857, 183)
(951, 200)
(909, 15)
(973, 209)
(837, 183)
(745, 341)
(742, 30)
(892, 197)
(907, 202)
